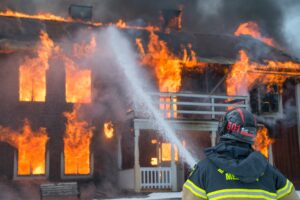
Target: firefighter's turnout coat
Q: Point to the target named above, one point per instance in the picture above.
(234, 171)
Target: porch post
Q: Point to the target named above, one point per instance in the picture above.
(119, 152)
(137, 168)
(298, 110)
(213, 137)
(173, 169)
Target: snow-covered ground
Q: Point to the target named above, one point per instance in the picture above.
(157, 195)
(163, 195)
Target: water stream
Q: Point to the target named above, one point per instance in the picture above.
(126, 60)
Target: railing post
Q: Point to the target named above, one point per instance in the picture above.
(173, 170)
(213, 137)
(213, 108)
(137, 168)
(171, 106)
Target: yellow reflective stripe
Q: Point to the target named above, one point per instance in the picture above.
(194, 192)
(199, 192)
(241, 190)
(195, 186)
(285, 190)
(241, 196)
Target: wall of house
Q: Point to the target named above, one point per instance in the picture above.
(286, 151)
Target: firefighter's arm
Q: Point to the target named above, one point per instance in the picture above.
(290, 195)
(190, 193)
(194, 187)
(284, 188)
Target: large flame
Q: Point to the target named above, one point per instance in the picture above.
(244, 74)
(263, 141)
(167, 67)
(32, 77)
(31, 148)
(79, 81)
(252, 29)
(108, 129)
(77, 140)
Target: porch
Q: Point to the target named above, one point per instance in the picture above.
(183, 112)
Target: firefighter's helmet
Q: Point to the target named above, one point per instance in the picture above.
(238, 124)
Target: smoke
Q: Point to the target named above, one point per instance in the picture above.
(291, 23)
(288, 118)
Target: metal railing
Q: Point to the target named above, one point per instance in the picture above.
(193, 106)
(156, 178)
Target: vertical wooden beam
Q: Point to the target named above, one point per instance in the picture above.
(173, 169)
(137, 167)
(213, 137)
(119, 152)
(298, 110)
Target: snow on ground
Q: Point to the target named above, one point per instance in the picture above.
(163, 195)
(156, 195)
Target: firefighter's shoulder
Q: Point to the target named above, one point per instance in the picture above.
(195, 187)
(284, 187)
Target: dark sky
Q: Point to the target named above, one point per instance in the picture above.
(204, 16)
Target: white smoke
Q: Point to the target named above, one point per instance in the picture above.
(210, 8)
(291, 27)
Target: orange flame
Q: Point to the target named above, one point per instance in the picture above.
(79, 81)
(252, 29)
(166, 152)
(167, 67)
(44, 16)
(77, 142)
(244, 74)
(31, 148)
(33, 72)
(263, 141)
(121, 24)
(108, 129)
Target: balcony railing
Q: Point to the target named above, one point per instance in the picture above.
(194, 106)
(156, 178)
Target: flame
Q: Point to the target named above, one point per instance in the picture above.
(81, 50)
(121, 24)
(252, 29)
(31, 148)
(167, 67)
(77, 142)
(33, 72)
(166, 152)
(79, 81)
(263, 141)
(154, 161)
(108, 129)
(244, 74)
(44, 16)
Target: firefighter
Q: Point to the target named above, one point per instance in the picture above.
(233, 170)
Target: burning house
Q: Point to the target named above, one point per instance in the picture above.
(64, 118)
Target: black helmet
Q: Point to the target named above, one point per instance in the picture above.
(238, 124)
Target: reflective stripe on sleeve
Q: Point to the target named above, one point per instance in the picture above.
(199, 192)
(242, 193)
(285, 190)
